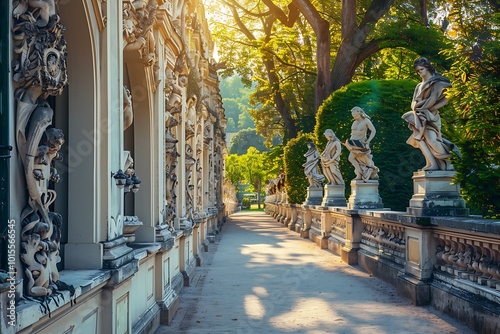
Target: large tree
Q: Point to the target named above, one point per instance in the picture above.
(349, 32)
(245, 139)
(473, 119)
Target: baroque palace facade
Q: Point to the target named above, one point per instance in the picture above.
(111, 163)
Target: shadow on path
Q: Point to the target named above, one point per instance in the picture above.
(260, 277)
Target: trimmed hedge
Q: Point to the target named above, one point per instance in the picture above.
(296, 181)
(385, 102)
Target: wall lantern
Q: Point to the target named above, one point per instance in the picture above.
(136, 183)
(120, 178)
(128, 184)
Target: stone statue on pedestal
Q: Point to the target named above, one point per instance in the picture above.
(434, 192)
(311, 166)
(362, 133)
(334, 191)
(424, 119)
(330, 158)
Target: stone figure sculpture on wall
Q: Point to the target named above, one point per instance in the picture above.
(41, 228)
(330, 158)
(276, 185)
(199, 186)
(191, 116)
(362, 133)
(189, 161)
(39, 70)
(138, 20)
(171, 156)
(311, 166)
(424, 119)
(128, 112)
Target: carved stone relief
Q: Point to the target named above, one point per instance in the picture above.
(39, 70)
(171, 156)
(190, 161)
(191, 116)
(138, 20)
(128, 112)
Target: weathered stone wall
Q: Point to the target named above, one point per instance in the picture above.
(451, 263)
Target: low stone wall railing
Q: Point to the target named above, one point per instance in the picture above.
(452, 263)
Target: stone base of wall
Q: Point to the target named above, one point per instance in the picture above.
(481, 315)
(413, 289)
(167, 314)
(149, 322)
(349, 255)
(316, 237)
(409, 287)
(388, 272)
(335, 245)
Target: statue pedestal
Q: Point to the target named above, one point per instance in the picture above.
(364, 195)
(314, 196)
(334, 195)
(434, 194)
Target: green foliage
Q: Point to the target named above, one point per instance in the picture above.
(252, 165)
(234, 172)
(274, 160)
(385, 102)
(245, 203)
(252, 169)
(236, 104)
(413, 37)
(296, 182)
(474, 120)
(245, 139)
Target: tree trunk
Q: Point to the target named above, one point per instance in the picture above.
(321, 28)
(281, 106)
(354, 48)
(258, 197)
(423, 13)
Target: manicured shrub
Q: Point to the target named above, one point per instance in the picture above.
(384, 102)
(296, 181)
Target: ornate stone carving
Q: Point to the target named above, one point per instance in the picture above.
(362, 133)
(41, 229)
(128, 111)
(190, 161)
(424, 119)
(138, 20)
(199, 186)
(276, 185)
(171, 156)
(191, 116)
(477, 262)
(39, 70)
(330, 159)
(311, 166)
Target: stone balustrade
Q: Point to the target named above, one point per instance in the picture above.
(452, 263)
